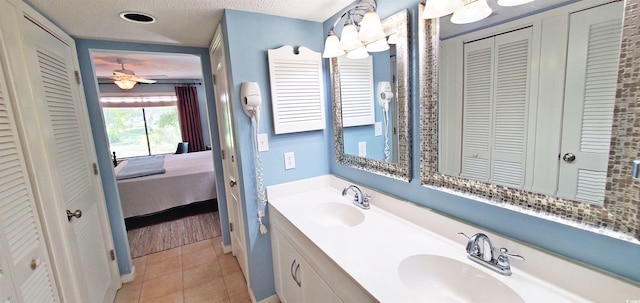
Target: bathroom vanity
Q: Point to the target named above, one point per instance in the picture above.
(326, 249)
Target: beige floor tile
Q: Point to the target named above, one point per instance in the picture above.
(159, 256)
(164, 267)
(217, 245)
(211, 291)
(201, 274)
(176, 297)
(240, 298)
(202, 256)
(129, 293)
(162, 286)
(228, 264)
(140, 265)
(193, 247)
(235, 283)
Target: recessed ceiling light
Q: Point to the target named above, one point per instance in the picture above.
(137, 17)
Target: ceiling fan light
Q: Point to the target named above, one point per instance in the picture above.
(349, 37)
(378, 46)
(512, 2)
(472, 12)
(125, 84)
(371, 28)
(332, 46)
(440, 8)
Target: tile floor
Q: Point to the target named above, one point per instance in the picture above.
(195, 273)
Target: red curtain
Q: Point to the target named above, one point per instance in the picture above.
(189, 112)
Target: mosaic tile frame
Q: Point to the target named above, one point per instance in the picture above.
(621, 212)
(401, 170)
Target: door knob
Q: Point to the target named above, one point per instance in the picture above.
(71, 215)
(35, 263)
(232, 183)
(569, 157)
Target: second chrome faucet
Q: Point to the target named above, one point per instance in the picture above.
(359, 199)
(479, 249)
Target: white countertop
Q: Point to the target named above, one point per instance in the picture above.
(371, 251)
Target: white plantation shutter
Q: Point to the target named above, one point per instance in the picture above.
(20, 232)
(356, 91)
(478, 94)
(510, 108)
(592, 70)
(495, 108)
(297, 92)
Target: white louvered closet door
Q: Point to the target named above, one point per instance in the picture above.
(477, 109)
(592, 70)
(25, 268)
(510, 111)
(72, 159)
(356, 91)
(496, 89)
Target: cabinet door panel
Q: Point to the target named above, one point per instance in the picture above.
(314, 290)
(288, 264)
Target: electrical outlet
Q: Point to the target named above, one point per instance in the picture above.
(378, 127)
(289, 161)
(362, 149)
(263, 142)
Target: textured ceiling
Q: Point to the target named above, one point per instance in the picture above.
(181, 22)
(149, 65)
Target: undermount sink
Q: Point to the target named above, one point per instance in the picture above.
(432, 278)
(336, 215)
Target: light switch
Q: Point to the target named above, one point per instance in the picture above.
(362, 149)
(289, 161)
(378, 127)
(263, 142)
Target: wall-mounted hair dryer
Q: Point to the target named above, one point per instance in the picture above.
(385, 94)
(251, 99)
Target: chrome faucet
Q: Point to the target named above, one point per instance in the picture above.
(359, 199)
(480, 250)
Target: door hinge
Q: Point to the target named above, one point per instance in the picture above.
(77, 73)
(112, 254)
(95, 169)
(222, 154)
(230, 226)
(214, 79)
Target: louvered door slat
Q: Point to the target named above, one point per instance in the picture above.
(38, 287)
(356, 91)
(64, 124)
(296, 90)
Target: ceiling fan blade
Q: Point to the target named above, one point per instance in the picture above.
(142, 80)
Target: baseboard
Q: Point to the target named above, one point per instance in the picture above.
(226, 248)
(272, 299)
(126, 278)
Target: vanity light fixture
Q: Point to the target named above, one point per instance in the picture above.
(464, 11)
(362, 33)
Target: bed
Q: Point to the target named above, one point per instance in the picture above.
(188, 178)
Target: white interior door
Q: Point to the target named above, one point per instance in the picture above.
(71, 155)
(592, 70)
(25, 268)
(229, 155)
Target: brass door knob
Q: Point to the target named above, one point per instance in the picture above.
(75, 214)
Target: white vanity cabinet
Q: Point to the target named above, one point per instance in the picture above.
(303, 273)
(295, 280)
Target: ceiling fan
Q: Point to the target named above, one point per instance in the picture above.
(126, 79)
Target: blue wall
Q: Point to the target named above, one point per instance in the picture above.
(248, 36)
(84, 48)
(615, 256)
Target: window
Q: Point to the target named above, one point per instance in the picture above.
(141, 126)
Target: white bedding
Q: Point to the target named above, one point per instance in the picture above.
(188, 178)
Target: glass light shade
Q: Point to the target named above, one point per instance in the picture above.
(512, 2)
(440, 8)
(349, 37)
(332, 47)
(125, 84)
(370, 28)
(378, 46)
(472, 12)
(358, 53)
(393, 39)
